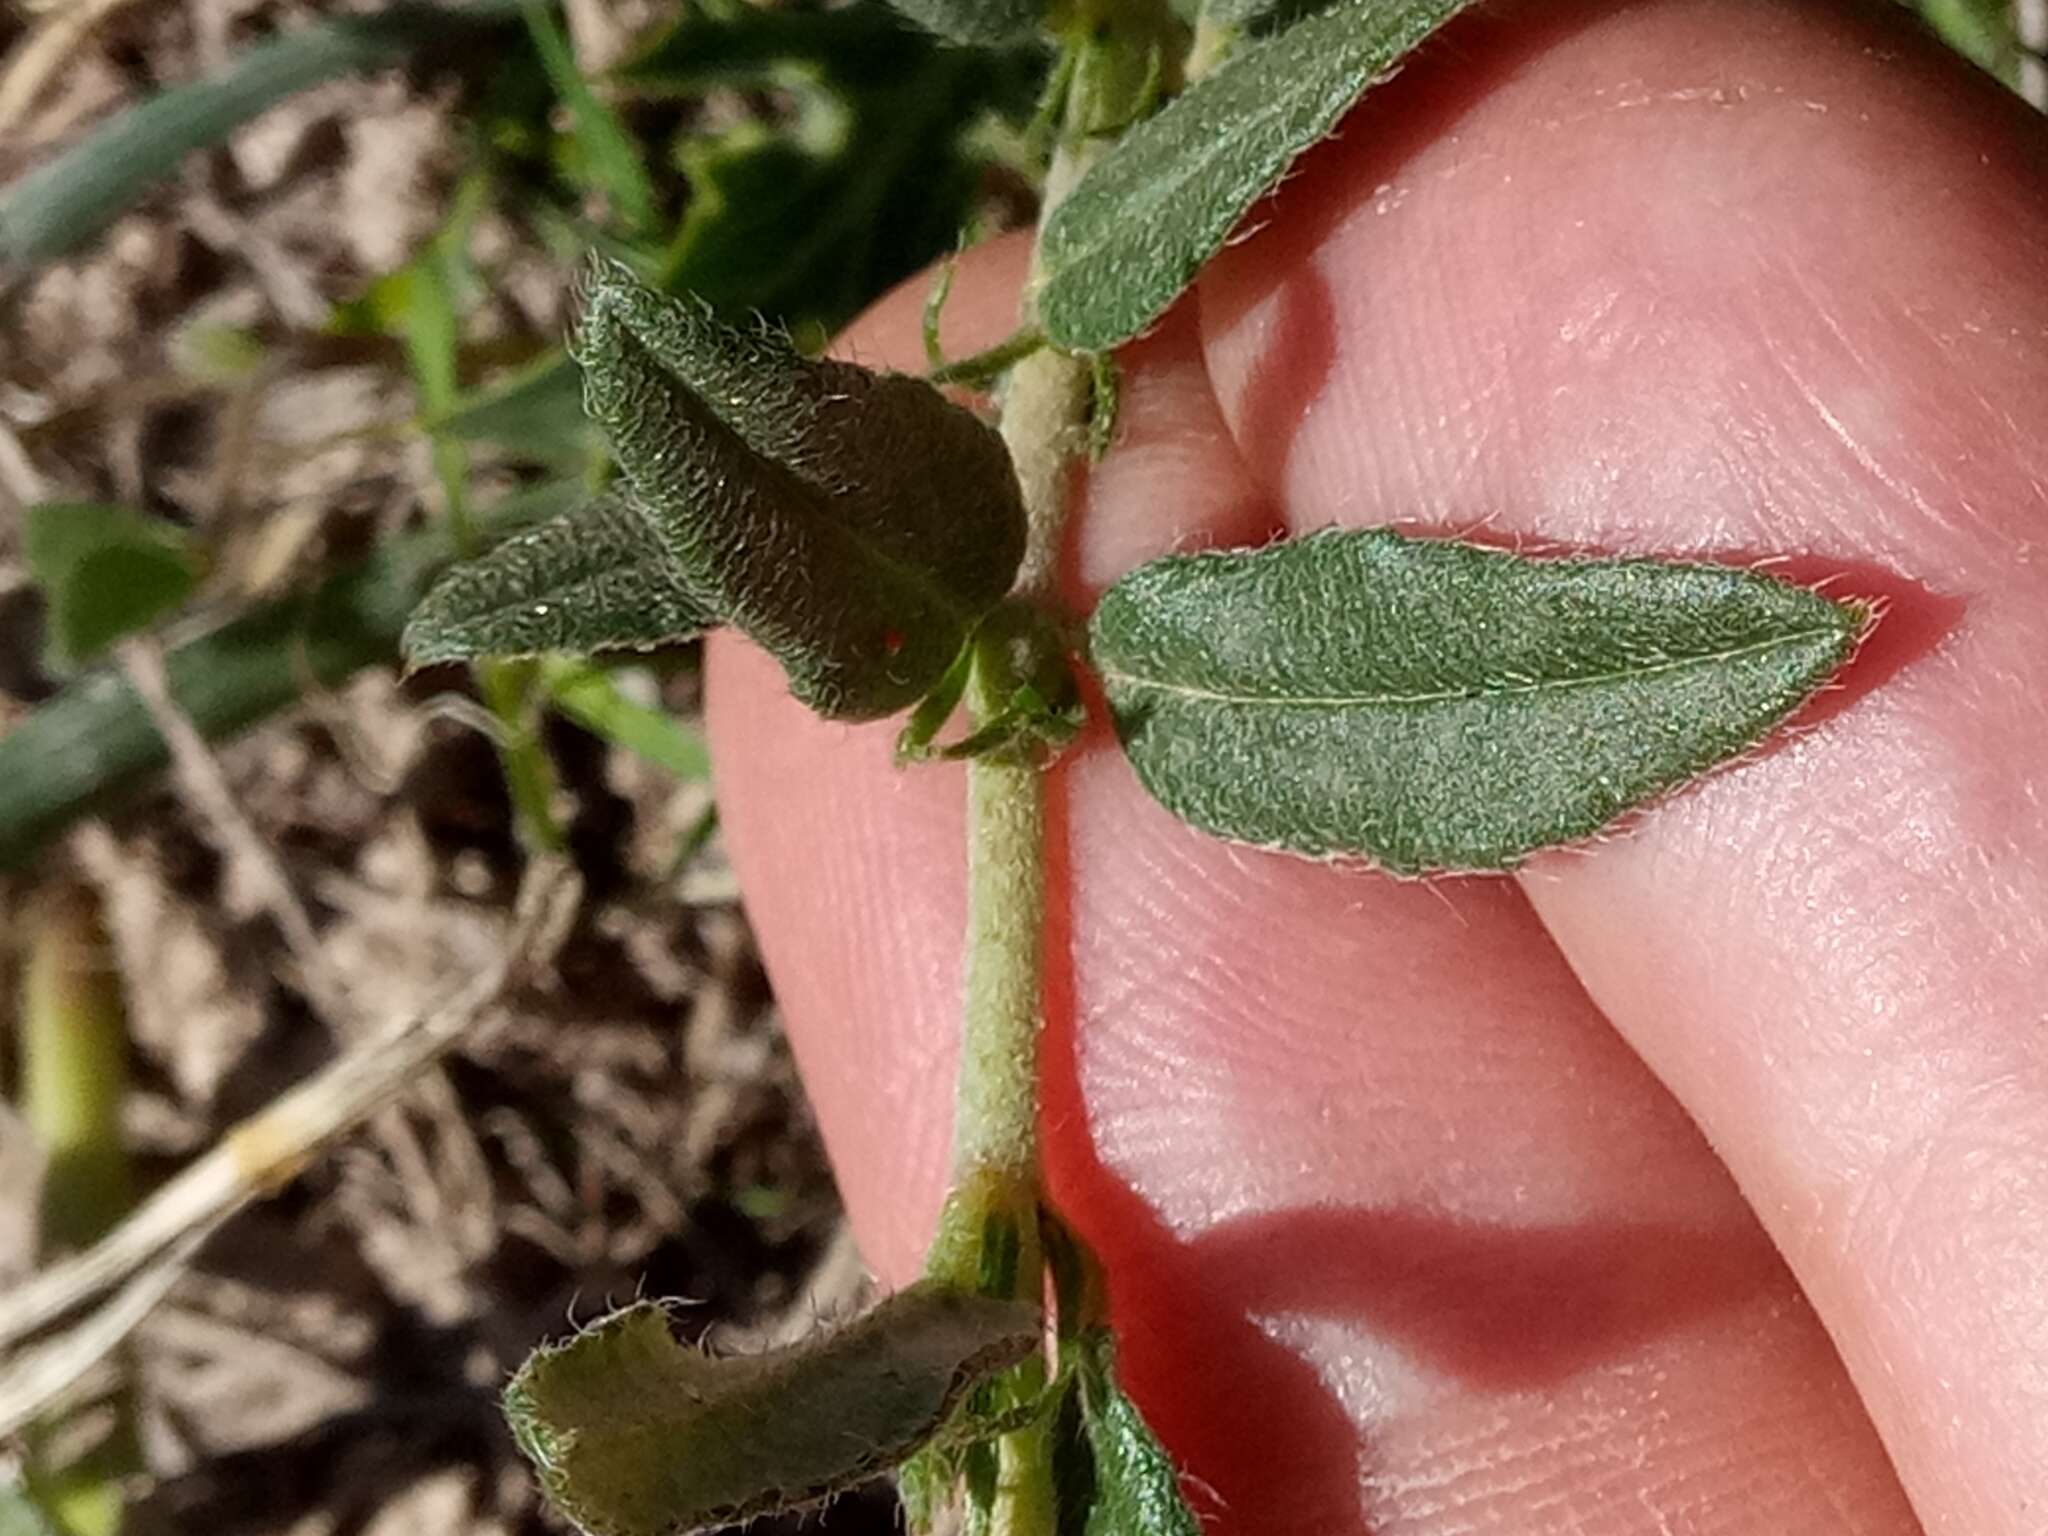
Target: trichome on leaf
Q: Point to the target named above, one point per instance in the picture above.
(1147, 218)
(595, 579)
(636, 1434)
(1433, 705)
(857, 525)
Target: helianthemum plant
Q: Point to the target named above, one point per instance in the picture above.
(1423, 705)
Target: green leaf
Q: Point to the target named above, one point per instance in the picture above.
(1432, 705)
(94, 742)
(589, 695)
(611, 161)
(857, 525)
(421, 304)
(1258, 16)
(597, 579)
(869, 174)
(535, 412)
(61, 205)
(106, 572)
(975, 21)
(1115, 1478)
(736, 43)
(636, 1434)
(1153, 211)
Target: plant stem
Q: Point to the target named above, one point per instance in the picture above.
(989, 1236)
(74, 1052)
(995, 1124)
(74, 1074)
(995, 1133)
(511, 692)
(1044, 417)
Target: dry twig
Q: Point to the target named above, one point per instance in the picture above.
(199, 774)
(38, 57)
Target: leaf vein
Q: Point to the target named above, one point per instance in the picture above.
(1790, 638)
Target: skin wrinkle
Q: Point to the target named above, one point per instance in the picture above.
(1367, 1070)
(1495, 1480)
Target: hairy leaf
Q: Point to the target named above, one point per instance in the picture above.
(106, 572)
(856, 524)
(1115, 1478)
(636, 1434)
(1143, 222)
(1432, 705)
(597, 579)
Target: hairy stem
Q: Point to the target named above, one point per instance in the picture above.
(989, 1235)
(1044, 424)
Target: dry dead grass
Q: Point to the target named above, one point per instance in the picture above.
(330, 1364)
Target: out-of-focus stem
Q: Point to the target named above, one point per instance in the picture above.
(74, 1072)
(74, 1050)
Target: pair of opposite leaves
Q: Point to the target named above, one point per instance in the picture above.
(1425, 704)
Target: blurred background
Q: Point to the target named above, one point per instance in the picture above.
(283, 287)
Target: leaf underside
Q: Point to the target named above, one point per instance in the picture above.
(1115, 1478)
(596, 579)
(1147, 218)
(637, 1434)
(857, 525)
(1435, 706)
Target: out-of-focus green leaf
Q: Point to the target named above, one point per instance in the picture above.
(94, 742)
(421, 304)
(975, 21)
(871, 176)
(590, 695)
(736, 43)
(535, 413)
(610, 159)
(61, 205)
(225, 355)
(106, 572)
